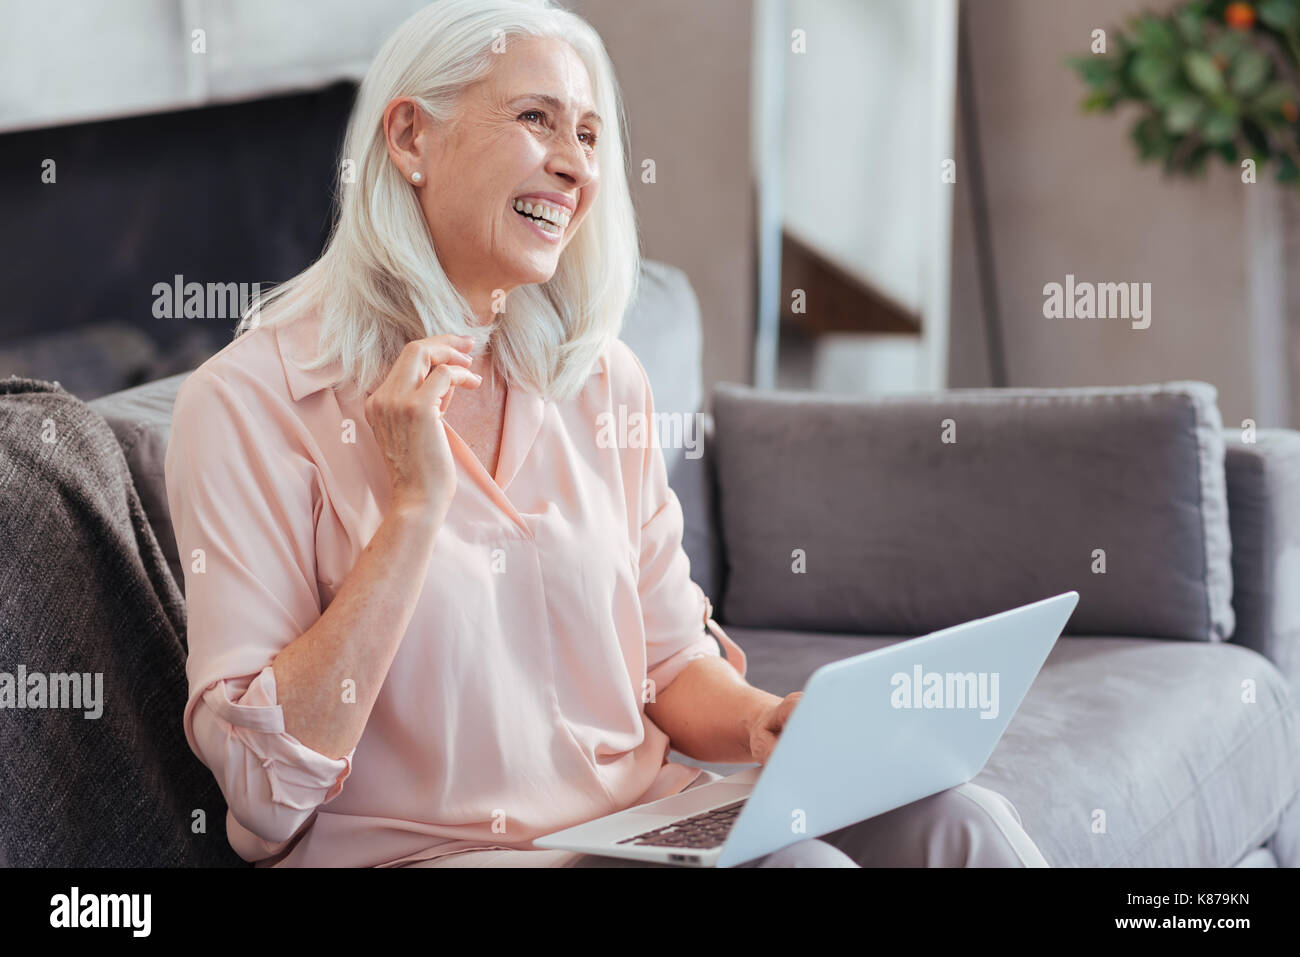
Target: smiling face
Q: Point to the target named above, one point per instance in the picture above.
(524, 135)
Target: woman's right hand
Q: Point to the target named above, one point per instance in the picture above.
(405, 412)
(359, 632)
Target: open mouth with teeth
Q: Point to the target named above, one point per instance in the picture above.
(550, 219)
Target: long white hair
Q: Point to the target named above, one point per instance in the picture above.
(379, 283)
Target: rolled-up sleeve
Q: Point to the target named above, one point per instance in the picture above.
(271, 780)
(244, 507)
(677, 613)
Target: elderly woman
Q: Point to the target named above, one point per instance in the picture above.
(431, 616)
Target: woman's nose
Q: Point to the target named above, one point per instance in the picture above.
(571, 160)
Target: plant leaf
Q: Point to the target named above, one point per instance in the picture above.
(1218, 127)
(1150, 138)
(1272, 98)
(1287, 171)
(1194, 163)
(1156, 35)
(1228, 43)
(1154, 74)
(1278, 14)
(1097, 101)
(1249, 71)
(1095, 70)
(1257, 139)
(1190, 21)
(1183, 114)
(1205, 76)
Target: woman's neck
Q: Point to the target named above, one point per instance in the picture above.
(484, 361)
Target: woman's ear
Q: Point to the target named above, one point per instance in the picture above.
(404, 130)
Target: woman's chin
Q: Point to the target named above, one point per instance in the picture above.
(534, 273)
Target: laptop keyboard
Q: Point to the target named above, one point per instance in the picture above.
(705, 830)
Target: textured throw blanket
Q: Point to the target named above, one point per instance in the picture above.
(94, 767)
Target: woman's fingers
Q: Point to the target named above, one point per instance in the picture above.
(769, 731)
(442, 381)
(420, 356)
(405, 413)
(431, 391)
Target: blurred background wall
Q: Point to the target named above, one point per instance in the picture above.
(220, 167)
(868, 124)
(1067, 195)
(684, 67)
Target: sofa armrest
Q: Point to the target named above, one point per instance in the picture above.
(1264, 518)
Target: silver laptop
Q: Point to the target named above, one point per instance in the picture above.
(871, 733)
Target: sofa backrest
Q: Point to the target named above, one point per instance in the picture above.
(907, 533)
(908, 514)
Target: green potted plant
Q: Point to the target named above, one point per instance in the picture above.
(1211, 78)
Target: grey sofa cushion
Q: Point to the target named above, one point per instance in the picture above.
(141, 420)
(662, 327)
(1264, 510)
(1154, 733)
(694, 485)
(902, 533)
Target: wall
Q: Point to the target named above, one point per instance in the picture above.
(857, 108)
(72, 61)
(869, 121)
(684, 68)
(1067, 195)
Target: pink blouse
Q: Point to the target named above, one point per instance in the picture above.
(514, 707)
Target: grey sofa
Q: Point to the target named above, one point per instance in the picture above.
(1163, 730)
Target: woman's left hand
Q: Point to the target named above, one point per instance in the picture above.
(767, 727)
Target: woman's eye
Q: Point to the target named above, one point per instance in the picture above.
(541, 118)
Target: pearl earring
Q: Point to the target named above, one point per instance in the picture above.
(417, 176)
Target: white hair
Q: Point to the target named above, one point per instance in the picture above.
(379, 283)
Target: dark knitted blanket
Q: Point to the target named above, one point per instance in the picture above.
(85, 591)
